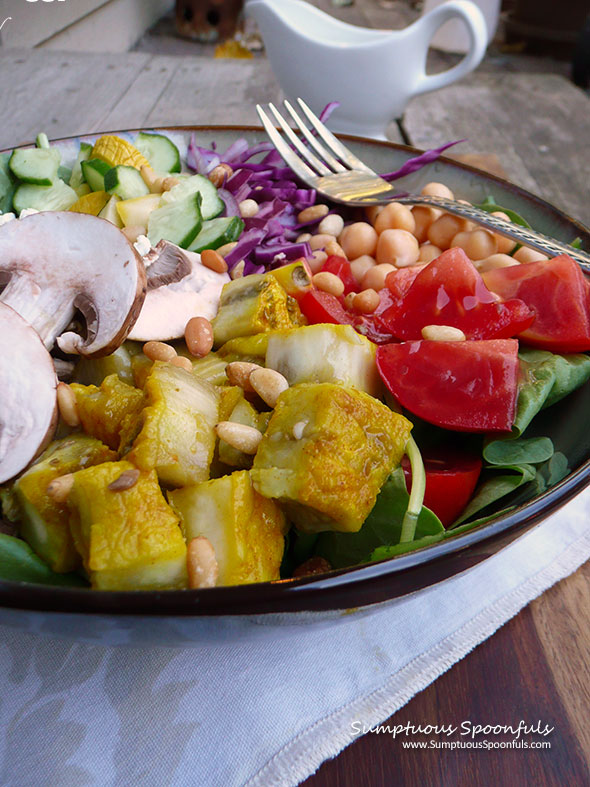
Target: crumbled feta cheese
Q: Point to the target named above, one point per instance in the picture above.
(27, 212)
(6, 217)
(142, 245)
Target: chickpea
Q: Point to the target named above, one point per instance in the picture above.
(495, 261)
(504, 244)
(423, 218)
(397, 247)
(374, 278)
(320, 241)
(524, 254)
(316, 261)
(477, 244)
(373, 211)
(442, 231)
(361, 265)
(332, 224)
(395, 217)
(435, 189)
(428, 252)
(358, 239)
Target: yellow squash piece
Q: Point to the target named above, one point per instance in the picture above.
(246, 530)
(251, 349)
(115, 150)
(326, 453)
(129, 539)
(44, 521)
(112, 412)
(177, 436)
(91, 203)
(134, 212)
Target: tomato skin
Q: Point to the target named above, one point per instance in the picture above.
(469, 386)
(340, 267)
(451, 478)
(450, 291)
(558, 293)
(398, 282)
(319, 306)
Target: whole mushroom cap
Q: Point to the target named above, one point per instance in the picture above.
(28, 402)
(54, 264)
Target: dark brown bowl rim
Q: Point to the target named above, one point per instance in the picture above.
(336, 589)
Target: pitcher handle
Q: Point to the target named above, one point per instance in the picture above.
(478, 40)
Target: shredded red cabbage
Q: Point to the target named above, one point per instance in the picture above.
(269, 238)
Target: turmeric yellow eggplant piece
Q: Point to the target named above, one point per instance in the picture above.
(245, 529)
(326, 453)
(129, 538)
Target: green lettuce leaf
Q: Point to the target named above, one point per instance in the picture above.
(18, 563)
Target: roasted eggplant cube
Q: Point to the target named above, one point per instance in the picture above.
(128, 536)
(324, 354)
(326, 453)
(245, 529)
(253, 304)
(44, 521)
(177, 438)
(110, 413)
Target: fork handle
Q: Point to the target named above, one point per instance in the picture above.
(535, 240)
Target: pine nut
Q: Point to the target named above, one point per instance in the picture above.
(201, 563)
(318, 242)
(238, 270)
(268, 384)
(133, 232)
(366, 301)
(334, 249)
(349, 300)
(248, 208)
(198, 335)
(214, 261)
(126, 480)
(60, 487)
(442, 333)
(239, 436)
(238, 373)
(332, 224)
(159, 351)
(220, 174)
(328, 282)
(226, 248)
(168, 183)
(149, 176)
(68, 407)
(313, 213)
(182, 363)
(305, 237)
(316, 261)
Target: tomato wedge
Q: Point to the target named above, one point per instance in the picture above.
(558, 293)
(451, 478)
(319, 306)
(450, 291)
(466, 386)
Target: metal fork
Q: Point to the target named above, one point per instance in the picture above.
(333, 170)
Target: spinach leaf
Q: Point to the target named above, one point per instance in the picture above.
(496, 487)
(491, 206)
(18, 563)
(381, 528)
(532, 451)
(382, 553)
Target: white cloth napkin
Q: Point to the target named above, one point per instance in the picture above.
(256, 710)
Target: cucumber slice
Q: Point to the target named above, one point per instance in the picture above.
(110, 213)
(125, 182)
(35, 165)
(217, 232)
(7, 184)
(77, 177)
(178, 222)
(211, 206)
(42, 141)
(94, 171)
(64, 173)
(58, 196)
(161, 152)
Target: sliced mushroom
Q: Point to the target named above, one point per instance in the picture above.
(55, 263)
(165, 264)
(28, 415)
(167, 308)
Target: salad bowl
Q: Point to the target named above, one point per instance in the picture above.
(214, 614)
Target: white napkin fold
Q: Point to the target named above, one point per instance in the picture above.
(256, 710)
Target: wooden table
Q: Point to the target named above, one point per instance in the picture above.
(536, 127)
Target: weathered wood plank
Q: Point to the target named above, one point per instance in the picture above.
(537, 124)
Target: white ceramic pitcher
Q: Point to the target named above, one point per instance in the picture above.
(372, 73)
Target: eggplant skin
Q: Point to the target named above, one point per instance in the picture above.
(129, 539)
(326, 453)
